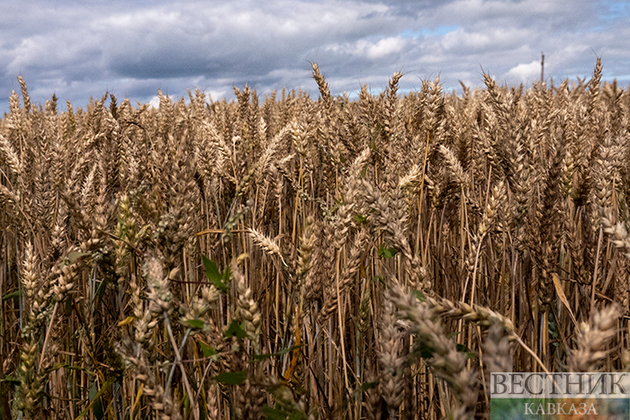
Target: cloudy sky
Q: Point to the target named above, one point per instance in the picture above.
(81, 49)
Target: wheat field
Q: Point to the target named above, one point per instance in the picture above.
(301, 258)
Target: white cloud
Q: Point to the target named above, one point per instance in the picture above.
(134, 48)
(154, 102)
(215, 95)
(385, 47)
(371, 49)
(486, 39)
(524, 72)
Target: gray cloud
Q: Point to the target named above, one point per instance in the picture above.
(82, 49)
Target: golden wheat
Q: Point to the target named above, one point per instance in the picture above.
(301, 258)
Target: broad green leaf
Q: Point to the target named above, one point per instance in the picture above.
(211, 269)
(193, 323)
(419, 295)
(426, 354)
(359, 218)
(385, 252)
(207, 350)
(463, 349)
(231, 378)
(424, 350)
(278, 414)
(274, 413)
(235, 330)
(97, 408)
(213, 274)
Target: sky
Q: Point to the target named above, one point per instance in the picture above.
(82, 49)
